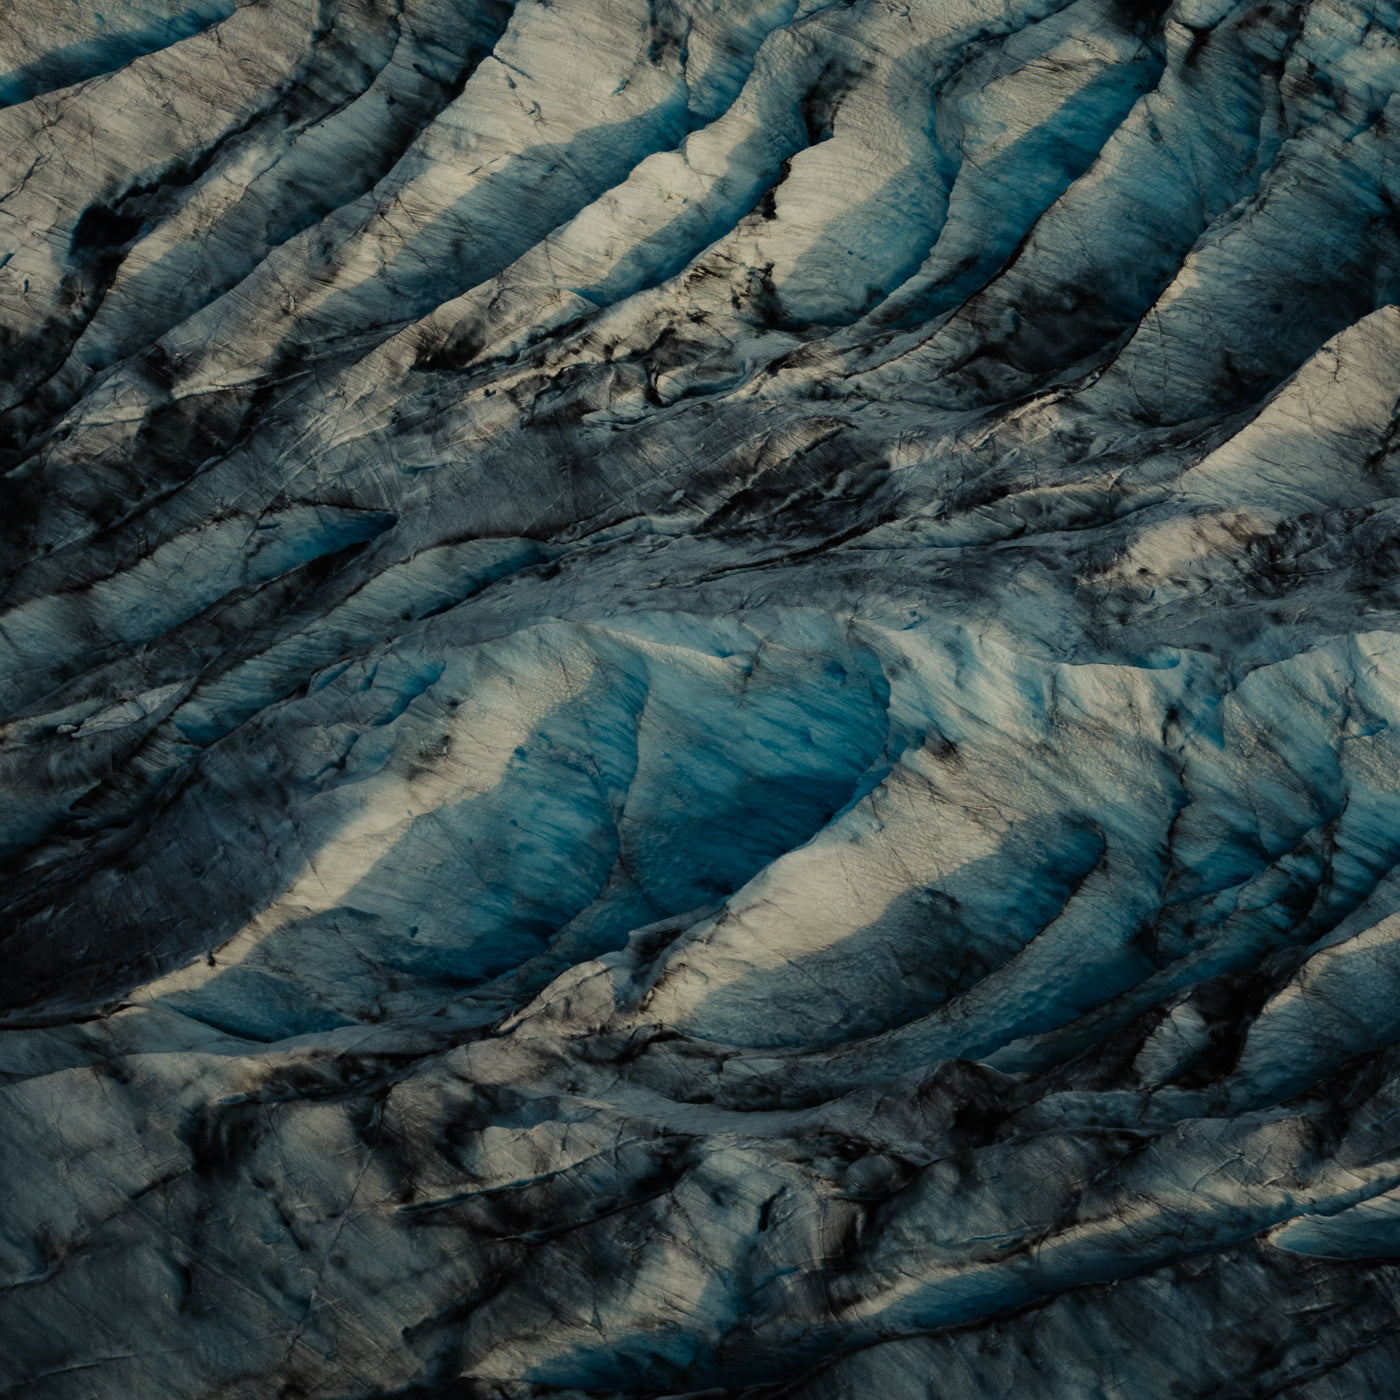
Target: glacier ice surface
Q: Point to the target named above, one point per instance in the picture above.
(700, 698)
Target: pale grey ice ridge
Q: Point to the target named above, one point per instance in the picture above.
(700, 697)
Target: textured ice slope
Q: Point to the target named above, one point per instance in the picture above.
(700, 697)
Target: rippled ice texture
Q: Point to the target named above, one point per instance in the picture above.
(700, 696)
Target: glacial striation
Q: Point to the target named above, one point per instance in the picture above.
(700, 698)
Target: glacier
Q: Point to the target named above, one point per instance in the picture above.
(700, 698)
